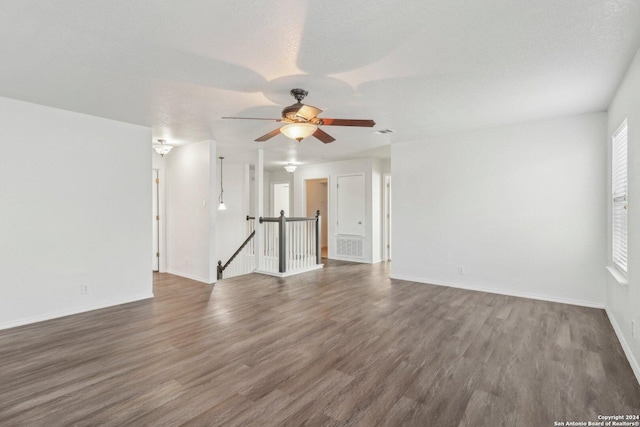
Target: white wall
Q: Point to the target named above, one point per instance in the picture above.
(281, 175)
(376, 208)
(157, 161)
(231, 223)
(385, 165)
(520, 208)
(623, 302)
(280, 198)
(266, 209)
(332, 171)
(277, 177)
(192, 202)
(75, 206)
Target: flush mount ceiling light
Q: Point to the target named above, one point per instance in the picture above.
(161, 147)
(290, 168)
(221, 206)
(299, 131)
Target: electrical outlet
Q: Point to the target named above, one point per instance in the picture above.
(461, 270)
(84, 289)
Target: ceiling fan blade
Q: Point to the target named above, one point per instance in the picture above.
(252, 118)
(348, 122)
(308, 112)
(323, 136)
(269, 135)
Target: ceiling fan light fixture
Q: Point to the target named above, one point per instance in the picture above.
(161, 147)
(290, 168)
(298, 131)
(303, 121)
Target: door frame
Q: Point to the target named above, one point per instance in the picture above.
(386, 216)
(272, 196)
(162, 223)
(155, 214)
(325, 230)
(364, 206)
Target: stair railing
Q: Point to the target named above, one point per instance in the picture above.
(294, 242)
(221, 268)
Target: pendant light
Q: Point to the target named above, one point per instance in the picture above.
(221, 207)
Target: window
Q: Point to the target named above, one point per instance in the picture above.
(619, 195)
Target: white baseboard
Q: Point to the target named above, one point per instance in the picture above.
(348, 259)
(76, 310)
(190, 276)
(561, 300)
(290, 273)
(625, 345)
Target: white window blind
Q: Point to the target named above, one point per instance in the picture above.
(619, 193)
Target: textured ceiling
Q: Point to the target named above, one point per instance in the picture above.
(418, 67)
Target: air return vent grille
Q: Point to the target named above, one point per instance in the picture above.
(350, 246)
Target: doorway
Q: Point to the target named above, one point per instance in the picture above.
(317, 196)
(386, 221)
(155, 190)
(281, 199)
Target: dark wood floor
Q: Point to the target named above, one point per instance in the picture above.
(340, 346)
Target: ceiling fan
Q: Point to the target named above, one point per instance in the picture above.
(302, 121)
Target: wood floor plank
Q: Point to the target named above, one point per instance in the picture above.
(344, 345)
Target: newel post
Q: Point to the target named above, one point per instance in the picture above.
(318, 238)
(220, 269)
(282, 246)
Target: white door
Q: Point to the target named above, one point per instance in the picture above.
(155, 222)
(280, 199)
(386, 236)
(351, 204)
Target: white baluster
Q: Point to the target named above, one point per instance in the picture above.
(294, 253)
(309, 238)
(298, 241)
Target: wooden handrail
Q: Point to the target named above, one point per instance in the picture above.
(287, 219)
(221, 267)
